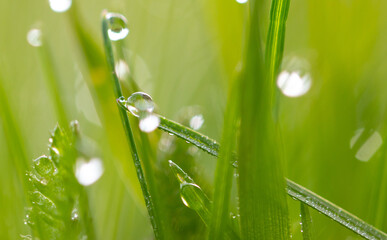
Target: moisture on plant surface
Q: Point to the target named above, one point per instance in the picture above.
(169, 120)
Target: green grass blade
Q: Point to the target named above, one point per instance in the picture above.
(154, 218)
(11, 130)
(195, 138)
(294, 190)
(276, 38)
(194, 197)
(306, 222)
(59, 204)
(224, 170)
(52, 81)
(260, 172)
(98, 81)
(334, 212)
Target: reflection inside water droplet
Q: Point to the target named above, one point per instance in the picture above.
(117, 26)
(293, 84)
(140, 102)
(366, 143)
(241, 1)
(88, 172)
(34, 37)
(149, 122)
(60, 5)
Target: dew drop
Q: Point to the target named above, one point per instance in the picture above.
(118, 29)
(293, 84)
(196, 122)
(149, 122)
(186, 192)
(88, 172)
(140, 102)
(34, 37)
(193, 196)
(44, 166)
(74, 214)
(235, 164)
(60, 5)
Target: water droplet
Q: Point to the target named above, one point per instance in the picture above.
(122, 69)
(60, 5)
(241, 1)
(88, 172)
(117, 26)
(44, 166)
(37, 198)
(235, 164)
(196, 122)
(140, 102)
(149, 122)
(74, 214)
(293, 84)
(186, 192)
(366, 143)
(55, 150)
(26, 237)
(34, 37)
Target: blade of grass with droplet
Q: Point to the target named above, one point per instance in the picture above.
(224, 170)
(59, 207)
(334, 212)
(263, 206)
(195, 138)
(306, 222)
(194, 197)
(52, 81)
(106, 110)
(154, 217)
(294, 190)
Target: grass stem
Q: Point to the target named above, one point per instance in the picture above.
(154, 218)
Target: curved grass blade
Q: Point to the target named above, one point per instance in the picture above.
(154, 218)
(194, 197)
(294, 190)
(306, 222)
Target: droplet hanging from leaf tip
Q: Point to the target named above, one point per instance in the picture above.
(140, 102)
(117, 24)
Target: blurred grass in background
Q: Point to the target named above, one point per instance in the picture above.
(181, 53)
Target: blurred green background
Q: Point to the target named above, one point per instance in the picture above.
(183, 53)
